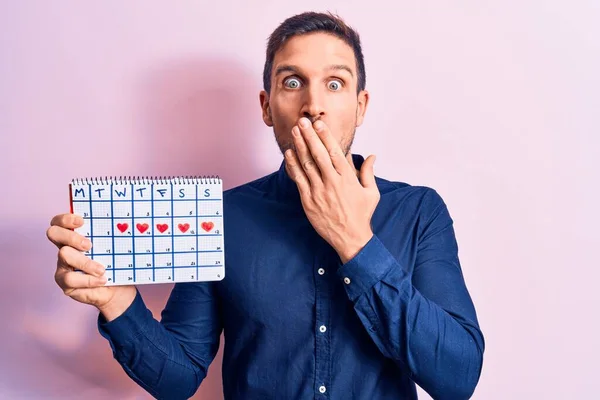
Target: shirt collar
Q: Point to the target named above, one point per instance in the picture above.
(286, 189)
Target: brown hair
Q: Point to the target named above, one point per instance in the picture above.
(309, 22)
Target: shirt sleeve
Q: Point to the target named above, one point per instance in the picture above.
(424, 321)
(170, 358)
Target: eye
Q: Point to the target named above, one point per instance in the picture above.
(334, 85)
(292, 83)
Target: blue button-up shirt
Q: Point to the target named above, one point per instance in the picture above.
(299, 324)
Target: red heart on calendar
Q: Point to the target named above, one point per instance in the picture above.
(142, 227)
(183, 227)
(122, 227)
(162, 227)
(207, 226)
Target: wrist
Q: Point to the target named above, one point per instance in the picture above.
(119, 303)
(350, 248)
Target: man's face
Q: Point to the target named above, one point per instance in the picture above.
(314, 76)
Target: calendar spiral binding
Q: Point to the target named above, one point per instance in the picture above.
(148, 180)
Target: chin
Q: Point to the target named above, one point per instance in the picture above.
(284, 146)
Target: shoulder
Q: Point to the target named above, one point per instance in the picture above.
(427, 199)
(422, 205)
(255, 187)
(252, 195)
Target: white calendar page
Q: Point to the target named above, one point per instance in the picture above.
(147, 231)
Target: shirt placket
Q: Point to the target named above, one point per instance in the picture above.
(322, 331)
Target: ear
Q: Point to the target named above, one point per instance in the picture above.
(361, 109)
(266, 108)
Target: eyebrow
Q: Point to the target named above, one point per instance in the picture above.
(290, 68)
(341, 67)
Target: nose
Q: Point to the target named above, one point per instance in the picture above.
(313, 106)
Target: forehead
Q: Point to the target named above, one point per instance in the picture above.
(315, 52)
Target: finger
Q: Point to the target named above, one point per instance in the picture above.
(366, 174)
(69, 280)
(68, 221)
(317, 148)
(61, 236)
(336, 155)
(71, 258)
(305, 158)
(296, 172)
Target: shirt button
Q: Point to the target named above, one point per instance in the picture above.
(347, 280)
(322, 328)
(321, 271)
(322, 389)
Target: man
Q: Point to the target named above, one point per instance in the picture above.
(339, 284)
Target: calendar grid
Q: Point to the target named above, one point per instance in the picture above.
(144, 201)
(172, 234)
(153, 248)
(133, 229)
(197, 226)
(91, 216)
(147, 230)
(178, 252)
(112, 224)
(158, 217)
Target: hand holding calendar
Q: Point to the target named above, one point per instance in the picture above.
(127, 231)
(86, 286)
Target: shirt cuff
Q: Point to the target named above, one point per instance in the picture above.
(125, 329)
(372, 263)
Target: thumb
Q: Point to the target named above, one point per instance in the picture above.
(366, 174)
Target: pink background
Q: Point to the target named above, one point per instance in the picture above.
(494, 104)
